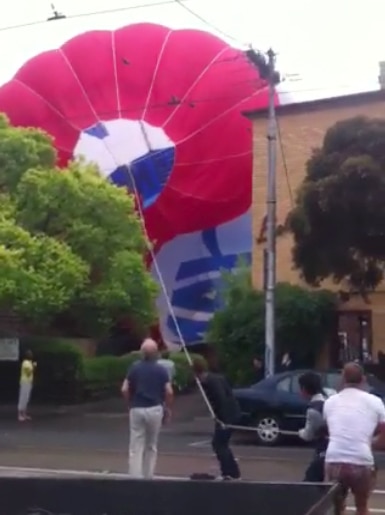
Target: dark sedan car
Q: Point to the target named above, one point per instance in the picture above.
(275, 403)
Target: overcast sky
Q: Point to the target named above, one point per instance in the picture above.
(328, 42)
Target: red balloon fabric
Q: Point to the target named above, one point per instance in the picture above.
(152, 105)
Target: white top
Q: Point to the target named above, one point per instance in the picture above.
(352, 417)
(169, 365)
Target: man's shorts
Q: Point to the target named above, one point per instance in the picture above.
(359, 479)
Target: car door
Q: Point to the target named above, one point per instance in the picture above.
(292, 405)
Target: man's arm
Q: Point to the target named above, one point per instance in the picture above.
(378, 441)
(168, 400)
(125, 389)
(313, 423)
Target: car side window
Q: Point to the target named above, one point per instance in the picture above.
(295, 384)
(284, 384)
(333, 380)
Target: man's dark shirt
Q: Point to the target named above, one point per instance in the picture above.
(147, 381)
(222, 400)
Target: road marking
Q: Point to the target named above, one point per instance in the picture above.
(378, 492)
(371, 510)
(202, 443)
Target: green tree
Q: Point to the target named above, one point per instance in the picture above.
(39, 275)
(339, 217)
(70, 237)
(304, 320)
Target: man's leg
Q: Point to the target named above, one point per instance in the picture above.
(137, 442)
(315, 472)
(335, 473)
(154, 417)
(220, 443)
(362, 484)
(24, 395)
(28, 399)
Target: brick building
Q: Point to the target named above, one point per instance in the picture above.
(302, 126)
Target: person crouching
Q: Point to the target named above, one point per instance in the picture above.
(315, 429)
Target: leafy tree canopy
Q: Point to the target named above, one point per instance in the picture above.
(304, 320)
(338, 222)
(71, 245)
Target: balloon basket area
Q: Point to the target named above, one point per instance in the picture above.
(37, 493)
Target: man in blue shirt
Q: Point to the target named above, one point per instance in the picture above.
(149, 392)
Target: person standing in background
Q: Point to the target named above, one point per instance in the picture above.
(258, 366)
(148, 391)
(25, 388)
(168, 364)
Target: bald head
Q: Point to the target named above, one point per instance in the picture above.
(149, 349)
(353, 374)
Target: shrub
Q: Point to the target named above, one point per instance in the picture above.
(103, 375)
(304, 320)
(184, 376)
(59, 369)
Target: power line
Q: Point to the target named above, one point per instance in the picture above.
(61, 16)
(210, 24)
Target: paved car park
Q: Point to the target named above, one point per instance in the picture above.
(98, 442)
(95, 439)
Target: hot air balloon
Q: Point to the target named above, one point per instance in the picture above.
(159, 111)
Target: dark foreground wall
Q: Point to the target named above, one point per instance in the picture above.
(111, 496)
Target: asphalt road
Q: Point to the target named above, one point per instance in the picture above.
(108, 432)
(97, 441)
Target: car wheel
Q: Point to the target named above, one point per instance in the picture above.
(268, 430)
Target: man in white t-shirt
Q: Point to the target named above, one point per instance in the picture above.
(356, 422)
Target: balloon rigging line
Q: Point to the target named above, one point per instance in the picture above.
(203, 127)
(115, 64)
(155, 73)
(142, 219)
(190, 103)
(195, 163)
(197, 131)
(193, 85)
(78, 129)
(216, 118)
(149, 245)
(68, 120)
(159, 274)
(90, 13)
(161, 280)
